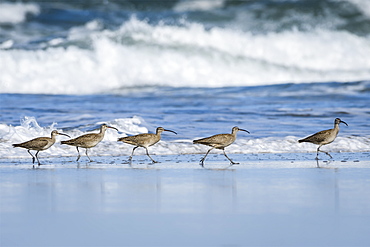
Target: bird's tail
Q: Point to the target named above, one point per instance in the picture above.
(66, 142)
(302, 140)
(200, 141)
(16, 145)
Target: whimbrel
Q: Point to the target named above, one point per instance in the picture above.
(219, 141)
(144, 140)
(324, 137)
(88, 140)
(39, 144)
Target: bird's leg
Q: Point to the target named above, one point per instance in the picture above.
(88, 155)
(147, 153)
(33, 158)
(327, 154)
(317, 153)
(132, 154)
(201, 162)
(318, 150)
(38, 158)
(232, 162)
(78, 151)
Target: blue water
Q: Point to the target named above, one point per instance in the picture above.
(280, 110)
(184, 207)
(277, 116)
(281, 69)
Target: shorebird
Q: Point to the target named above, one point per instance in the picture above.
(39, 144)
(144, 140)
(324, 137)
(219, 141)
(88, 140)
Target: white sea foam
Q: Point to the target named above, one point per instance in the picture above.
(141, 54)
(30, 129)
(16, 12)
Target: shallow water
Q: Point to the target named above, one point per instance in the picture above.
(268, 202)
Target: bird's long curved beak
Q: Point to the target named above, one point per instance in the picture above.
(112, 128)
(245, 131)
(343, 122)
(63, 134)
(170, 131)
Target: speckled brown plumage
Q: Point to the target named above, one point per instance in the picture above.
(219, 141)
(324, 137)
(39, 144)
(144, 140)
(88, 141)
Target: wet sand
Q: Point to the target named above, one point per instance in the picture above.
(269, 199)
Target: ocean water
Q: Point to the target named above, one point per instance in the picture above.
(280, 69)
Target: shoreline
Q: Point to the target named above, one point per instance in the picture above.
(191, 161)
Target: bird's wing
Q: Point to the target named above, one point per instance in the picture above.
(317, 137)
(35, 144)
(140, 140)
(79, 140)
(220, 140)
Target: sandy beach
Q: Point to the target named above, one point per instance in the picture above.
(269, 199)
